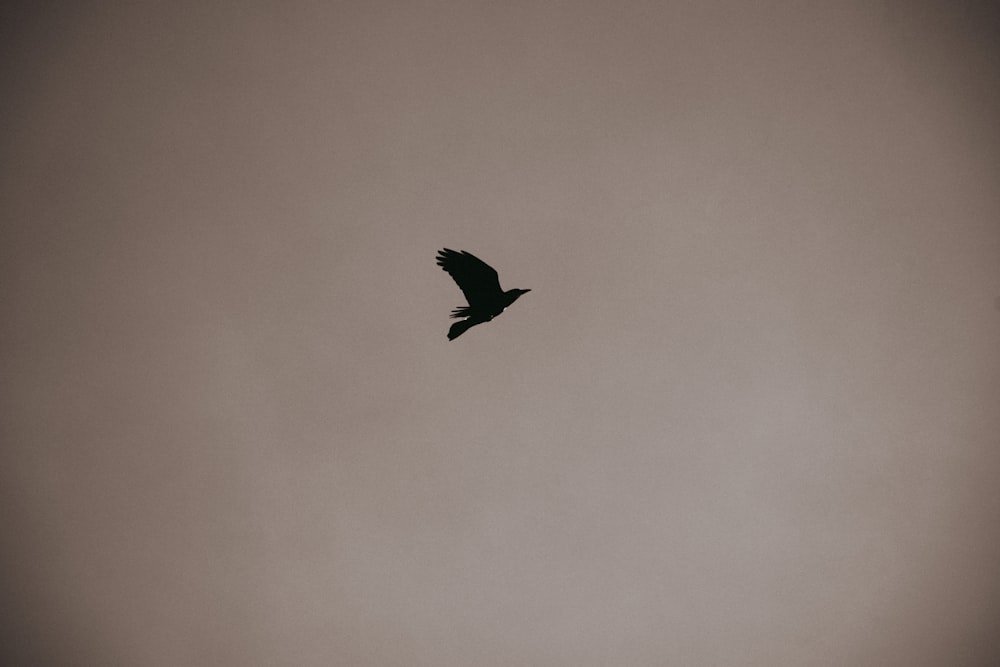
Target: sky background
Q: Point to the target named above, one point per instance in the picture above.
(748, 414)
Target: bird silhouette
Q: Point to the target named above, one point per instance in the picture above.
(480, 284)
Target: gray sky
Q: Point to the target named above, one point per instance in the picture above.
(746, 416)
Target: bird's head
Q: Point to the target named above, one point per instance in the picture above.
(511, 295)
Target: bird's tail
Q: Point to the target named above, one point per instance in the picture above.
(461, 312)
(459, 328)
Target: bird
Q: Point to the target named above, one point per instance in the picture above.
(480, 284)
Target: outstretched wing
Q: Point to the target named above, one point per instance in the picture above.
(477, 279)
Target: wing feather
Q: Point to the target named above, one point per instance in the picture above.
(478, 280)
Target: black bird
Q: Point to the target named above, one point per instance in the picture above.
(481, 286)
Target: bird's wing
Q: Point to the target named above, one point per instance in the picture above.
(477, 279)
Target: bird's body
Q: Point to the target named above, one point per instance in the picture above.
(481, 286)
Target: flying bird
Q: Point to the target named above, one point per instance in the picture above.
(480, 284)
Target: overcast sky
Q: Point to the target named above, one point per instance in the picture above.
(747, 415)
